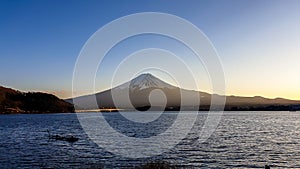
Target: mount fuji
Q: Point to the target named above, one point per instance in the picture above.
(146, 91)
(141, 92)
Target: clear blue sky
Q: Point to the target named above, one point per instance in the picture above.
(258, 41)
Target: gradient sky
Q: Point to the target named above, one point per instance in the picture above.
(258, 41)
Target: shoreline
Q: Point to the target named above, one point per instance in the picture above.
(131, 110)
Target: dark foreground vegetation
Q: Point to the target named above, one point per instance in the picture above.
(151, 165)
(157, 165)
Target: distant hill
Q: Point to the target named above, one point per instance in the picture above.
(14, 102)
(140, 88)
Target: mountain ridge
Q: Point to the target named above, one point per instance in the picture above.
(16, 102)
(140, 88)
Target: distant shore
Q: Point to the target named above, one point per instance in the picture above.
(130, 110)
(99, 110)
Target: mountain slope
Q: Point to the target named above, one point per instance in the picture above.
(138, 93)
(13, 101)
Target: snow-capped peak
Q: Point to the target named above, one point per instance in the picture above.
(145, 81)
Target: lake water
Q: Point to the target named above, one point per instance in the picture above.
(241, 140)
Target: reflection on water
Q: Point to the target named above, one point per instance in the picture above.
(242, 140)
